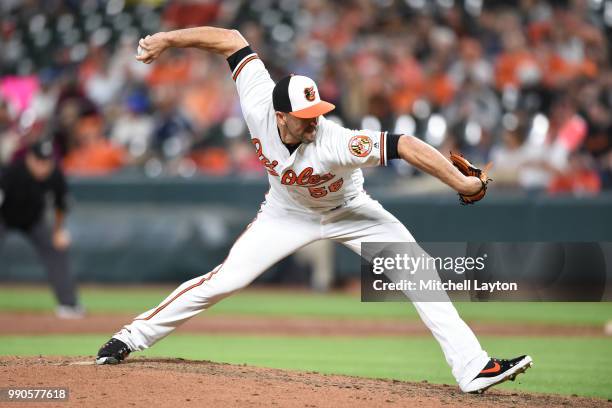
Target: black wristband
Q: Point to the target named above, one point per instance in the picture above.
(234, 59)
(392, 141)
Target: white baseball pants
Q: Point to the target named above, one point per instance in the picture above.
(277, 232)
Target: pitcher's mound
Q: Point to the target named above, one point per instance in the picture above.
(181, 383)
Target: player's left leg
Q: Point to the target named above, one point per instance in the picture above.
(370, 222)
(274, 234)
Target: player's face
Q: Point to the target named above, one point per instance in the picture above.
(39, 168)
(302, 130)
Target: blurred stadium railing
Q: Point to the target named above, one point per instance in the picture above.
(129, 230)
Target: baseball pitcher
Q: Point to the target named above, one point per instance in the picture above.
(316, 188)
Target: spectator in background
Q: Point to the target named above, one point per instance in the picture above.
(23, 189)
(517, 65)
(476, 105)
(133, 126)
(243, 160)
(606, 171)
(72, 103)
(470, 64)
(509, 159)
(104, 84)
(173, 131)
(24, 136)
(45, 98)
(93, 154)
(578, 178)
(567, 132)
(596, 108)
(9, 137)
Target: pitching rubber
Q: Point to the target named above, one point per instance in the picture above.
(106, 360)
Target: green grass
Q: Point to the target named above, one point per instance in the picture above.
(135, 300)
(570, 365)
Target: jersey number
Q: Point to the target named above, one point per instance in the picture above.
(318, 192)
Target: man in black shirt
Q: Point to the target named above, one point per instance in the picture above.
(24, 187)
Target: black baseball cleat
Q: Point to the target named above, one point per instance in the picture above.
(112, 352)
(497, 371)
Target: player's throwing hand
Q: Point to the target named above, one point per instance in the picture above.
(151, 47)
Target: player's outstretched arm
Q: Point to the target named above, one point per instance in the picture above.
(426, 158)
(212, 39)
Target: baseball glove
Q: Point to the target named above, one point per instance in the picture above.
(468, 169)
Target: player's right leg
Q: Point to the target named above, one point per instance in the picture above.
(273, 235)
(471, 366)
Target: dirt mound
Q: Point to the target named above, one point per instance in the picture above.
(179, 383)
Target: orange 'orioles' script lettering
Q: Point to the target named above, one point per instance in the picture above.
(269, 165)
(312, 181)
(305, 178)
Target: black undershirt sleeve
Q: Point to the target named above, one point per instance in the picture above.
(391, 145)
(234, 59)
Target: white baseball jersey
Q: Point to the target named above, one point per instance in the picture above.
(305, 185)
(320, 176)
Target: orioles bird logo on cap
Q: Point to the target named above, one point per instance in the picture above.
(309, 93)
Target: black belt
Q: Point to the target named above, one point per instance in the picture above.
(341, 205)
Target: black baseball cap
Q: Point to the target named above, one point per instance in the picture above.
(42, 149)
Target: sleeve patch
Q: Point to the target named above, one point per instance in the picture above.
(360, 145)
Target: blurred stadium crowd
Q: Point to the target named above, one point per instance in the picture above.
(526, 84)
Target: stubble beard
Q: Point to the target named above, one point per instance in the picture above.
(306, 138)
